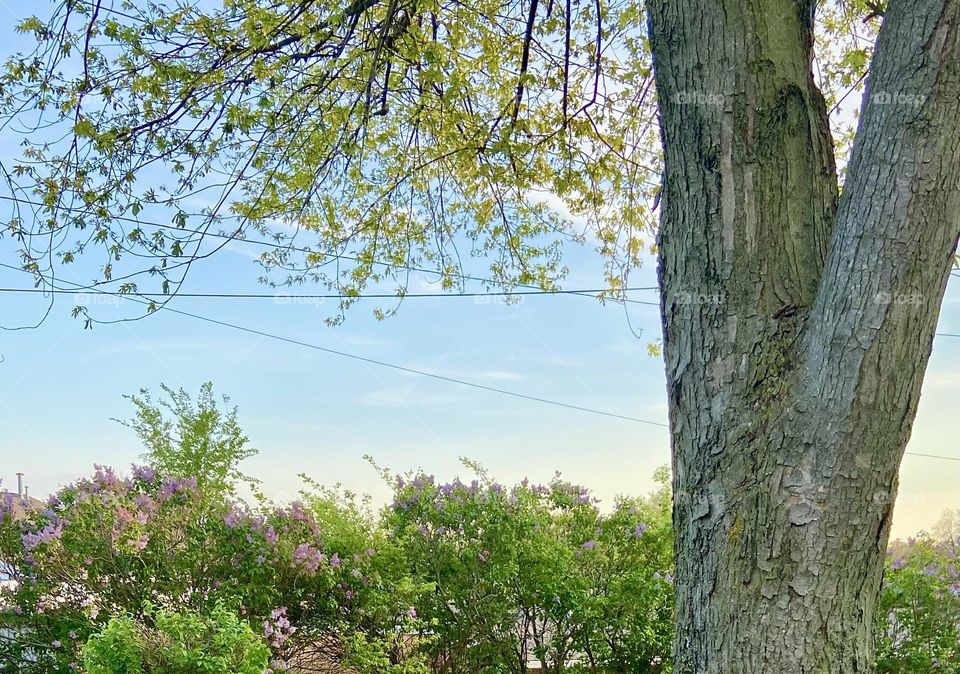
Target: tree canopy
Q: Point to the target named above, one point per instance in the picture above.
(358, 140)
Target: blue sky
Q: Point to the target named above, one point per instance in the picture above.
(316, 413)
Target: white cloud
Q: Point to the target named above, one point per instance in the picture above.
(942, 379)
(501, 375)
(387, 398)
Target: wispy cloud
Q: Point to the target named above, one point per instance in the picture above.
(154, 346)
(942, 379)
(501, 375)
(388, 398)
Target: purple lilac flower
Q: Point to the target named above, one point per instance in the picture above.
(589, 545)
(582, 498)
(7, 505)
(297, 512)
(278, 628)
(145, 503)
(308, 557)
(172, 486)
(51, 532)
(145, 473)
(104, 477)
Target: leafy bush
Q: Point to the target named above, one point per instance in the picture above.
(536, 572)
(308, 576)
(177, 643)
(164, 572)
(918, 627)
(116, 649)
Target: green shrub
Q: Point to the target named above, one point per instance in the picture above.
(181, 642)
(918, 621)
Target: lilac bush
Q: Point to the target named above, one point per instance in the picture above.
(111, 545)
(918, 626)
(536, 575)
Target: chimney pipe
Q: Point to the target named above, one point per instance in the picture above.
(20, 485)
(26, 494)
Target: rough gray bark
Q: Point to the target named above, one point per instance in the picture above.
(797, 326)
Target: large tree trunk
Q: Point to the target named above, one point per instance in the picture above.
(797, 325)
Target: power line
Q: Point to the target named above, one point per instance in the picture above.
(433, 375)
(341, 296)
(273, 245)
(934, 456)
(381, 363)
(410, 370)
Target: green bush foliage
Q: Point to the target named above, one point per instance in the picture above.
(165, 571)
(173, 642)
(918, 621)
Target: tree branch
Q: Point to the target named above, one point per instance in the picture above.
(898, 222)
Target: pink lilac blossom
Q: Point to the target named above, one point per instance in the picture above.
(308, 557)
(139, 544)
(277, 629)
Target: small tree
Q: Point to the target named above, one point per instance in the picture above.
(202, 440)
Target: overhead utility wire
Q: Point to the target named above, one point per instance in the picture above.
(433, 375)
(301, 249)
(281, 296)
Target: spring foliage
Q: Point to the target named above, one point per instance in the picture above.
(157, 573)
(388, 134)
